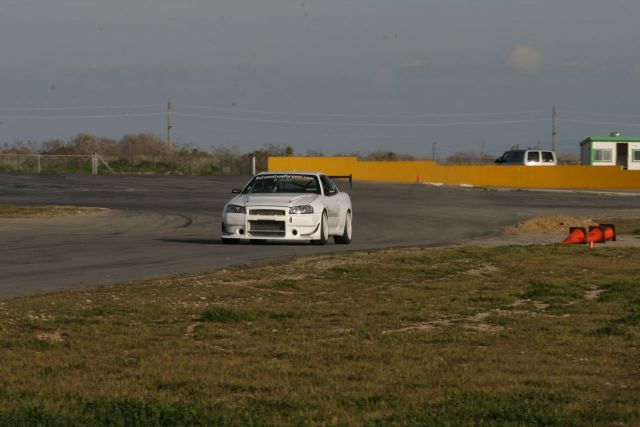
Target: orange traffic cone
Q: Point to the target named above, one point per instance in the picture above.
(596, 235)
(609, 231)
(577, 235)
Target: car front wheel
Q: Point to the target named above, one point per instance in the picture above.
(324, 231)
(345, 239)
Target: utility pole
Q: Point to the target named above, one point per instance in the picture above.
(169, 124)
(554, 119)
(253, 164)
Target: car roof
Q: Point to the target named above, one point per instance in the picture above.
(528, 149)
(290, 173)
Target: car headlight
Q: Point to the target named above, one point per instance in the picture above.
(306, 209)
(235, 209)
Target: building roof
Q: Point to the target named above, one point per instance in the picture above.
(611, 139)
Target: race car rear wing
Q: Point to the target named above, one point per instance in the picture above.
(349, 177)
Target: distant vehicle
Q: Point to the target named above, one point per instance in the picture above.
(298, 206)
(528, 158)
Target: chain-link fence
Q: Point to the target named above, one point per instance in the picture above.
(96, 163)
(49, 163)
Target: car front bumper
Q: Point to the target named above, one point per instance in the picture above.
(270, 223)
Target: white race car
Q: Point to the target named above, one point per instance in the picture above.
(300, 206)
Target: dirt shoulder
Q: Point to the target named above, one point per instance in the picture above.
(49, 211)
(553, 229)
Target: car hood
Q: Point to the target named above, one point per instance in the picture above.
(286, 200)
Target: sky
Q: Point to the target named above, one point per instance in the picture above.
(330, 76)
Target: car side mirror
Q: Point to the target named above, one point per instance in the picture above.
(236, 191)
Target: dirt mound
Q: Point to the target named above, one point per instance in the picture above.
(549, 224)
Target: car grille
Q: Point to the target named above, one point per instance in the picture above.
(265, 228)
(272, 212)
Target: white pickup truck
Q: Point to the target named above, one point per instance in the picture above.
(528, 158)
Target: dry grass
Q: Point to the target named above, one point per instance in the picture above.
(537, 335)
(15, 211)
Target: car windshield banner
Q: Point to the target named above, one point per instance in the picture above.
(282, 176)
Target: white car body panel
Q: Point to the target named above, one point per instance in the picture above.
(266, 216)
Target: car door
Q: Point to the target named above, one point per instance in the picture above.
(332, 201)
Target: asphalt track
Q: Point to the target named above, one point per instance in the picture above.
(166, 225)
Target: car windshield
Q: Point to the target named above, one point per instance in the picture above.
(283, 183)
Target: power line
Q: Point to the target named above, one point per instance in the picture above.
(360, 136)
(586, 113)
(308, 122)
(326, 123)
(255, 111)
(112, 107)
(291, 113)
(598, 122)
(100, 116)
(370, 115)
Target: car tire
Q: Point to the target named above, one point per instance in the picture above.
(324, 231)
(230, 241)
(345, 238)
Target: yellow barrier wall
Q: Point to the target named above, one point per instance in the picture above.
(578, 177)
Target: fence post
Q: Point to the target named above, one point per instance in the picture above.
(253, 164)
(94, 164)
(39, 168)
(104, 163)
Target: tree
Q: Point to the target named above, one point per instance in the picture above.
(568, 159)
(269, 150)
(486, 159)
(20, 147)
(53, 146)
(277, 150)
(387, 155)
(462, 158)
(314, 153)
(83, 143)
(143, 144)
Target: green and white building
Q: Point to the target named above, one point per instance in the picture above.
(613, 150)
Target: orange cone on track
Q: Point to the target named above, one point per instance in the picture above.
(577, 235)
(596, 235)
(609, 231)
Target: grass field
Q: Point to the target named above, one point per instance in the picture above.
(505, 336)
